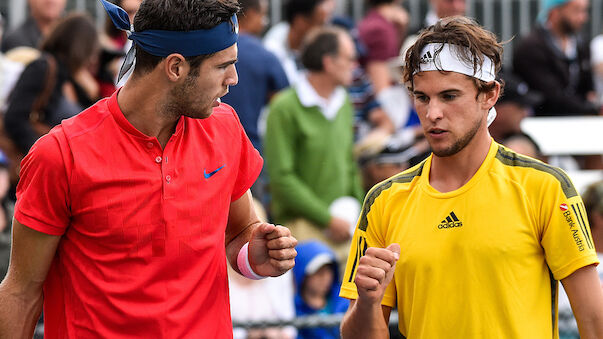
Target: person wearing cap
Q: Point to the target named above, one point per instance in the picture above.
(127, 213)
(516, 103)
(554, 60)
(471, 242)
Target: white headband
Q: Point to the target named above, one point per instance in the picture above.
(448, 59)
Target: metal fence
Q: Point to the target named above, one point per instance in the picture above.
(507, 18)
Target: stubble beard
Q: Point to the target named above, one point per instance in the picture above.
(460, 143)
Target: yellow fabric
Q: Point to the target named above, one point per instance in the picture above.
(487, 274)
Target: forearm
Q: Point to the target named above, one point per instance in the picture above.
(19, 312)
(364, 320)
(591, 328)
(233, 247)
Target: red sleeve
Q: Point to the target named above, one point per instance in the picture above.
(250, 163)
(43, 190)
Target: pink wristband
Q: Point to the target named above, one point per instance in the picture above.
(244, 266)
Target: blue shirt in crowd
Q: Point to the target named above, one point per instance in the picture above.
(260, 75)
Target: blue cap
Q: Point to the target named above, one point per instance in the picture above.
(546, 6)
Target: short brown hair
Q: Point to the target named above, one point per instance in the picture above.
(460, 31)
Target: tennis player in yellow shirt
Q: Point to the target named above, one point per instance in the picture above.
(470, 243)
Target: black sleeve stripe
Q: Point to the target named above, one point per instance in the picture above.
(356, 259)
(580, 219)
(404, 177)
(589, 239)
(510, 158)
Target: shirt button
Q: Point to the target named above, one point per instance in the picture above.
(168, 178)
(150, 144)
(158, 160)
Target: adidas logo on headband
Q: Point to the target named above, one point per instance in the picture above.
(426, 58)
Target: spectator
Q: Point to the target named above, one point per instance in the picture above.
(43, 14)
(317, 287)
(522, 143)
(382, 31)
(555, 61)
(516, 103)
(128, 212)
(285, 39)
(56, 86)
(260, 72)
(308, 144)
(596, 51)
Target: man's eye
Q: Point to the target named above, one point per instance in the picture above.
(421, 98)
(448, 97)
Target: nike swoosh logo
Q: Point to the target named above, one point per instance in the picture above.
(208, 175)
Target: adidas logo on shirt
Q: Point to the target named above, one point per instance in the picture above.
(426, 58)
(450, 221)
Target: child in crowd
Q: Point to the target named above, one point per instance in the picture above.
(316, 287)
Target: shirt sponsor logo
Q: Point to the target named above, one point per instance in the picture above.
(574, 230)
(208, 175)
(563, 207)
(451, 221)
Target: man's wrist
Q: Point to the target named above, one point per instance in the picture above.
(245, 266)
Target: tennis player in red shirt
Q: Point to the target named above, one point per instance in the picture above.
(127, 213)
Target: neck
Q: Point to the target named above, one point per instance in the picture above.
(294, 38)
(44, 25)
(143, 110)
(322, 84)
(452, 172)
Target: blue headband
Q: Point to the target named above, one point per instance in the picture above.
(163, 43)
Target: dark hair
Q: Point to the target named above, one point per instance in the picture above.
(179, 15)
(249, 4)
(374, 3)
(460, 31)
(522, 136)
(72, 41)
(593, 200)
(318, 44)
(300, 7)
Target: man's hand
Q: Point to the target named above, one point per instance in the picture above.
(375, 271)
(338, 230)
(271, 250)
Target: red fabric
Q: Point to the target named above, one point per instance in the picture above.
(142, 251)
(381, 37)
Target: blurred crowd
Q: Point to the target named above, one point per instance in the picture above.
(320, 96)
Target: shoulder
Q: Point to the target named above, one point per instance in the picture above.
(533, 174)
(87, 122)
(402, 182)
(286, 97)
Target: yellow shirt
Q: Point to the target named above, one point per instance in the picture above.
(481, 261)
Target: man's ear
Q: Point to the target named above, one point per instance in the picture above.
(491, 97)
(176, 67)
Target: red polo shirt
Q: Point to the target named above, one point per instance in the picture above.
(142, 250)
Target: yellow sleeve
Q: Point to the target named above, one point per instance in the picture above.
(566, 237)
(369, 232)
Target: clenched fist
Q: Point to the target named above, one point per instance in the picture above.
(375, 271)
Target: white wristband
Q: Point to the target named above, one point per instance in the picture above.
(244, 266)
